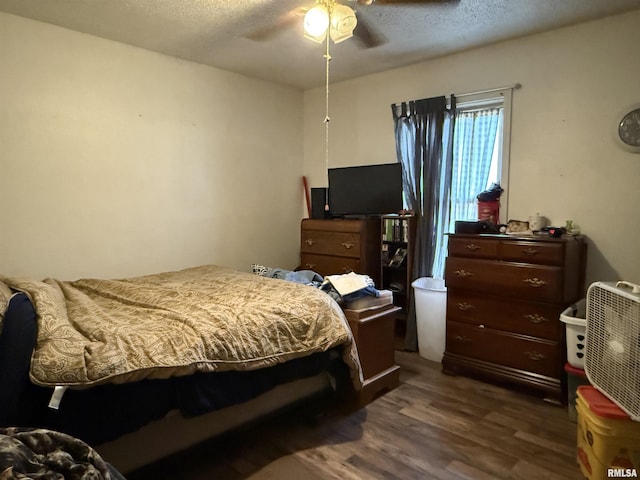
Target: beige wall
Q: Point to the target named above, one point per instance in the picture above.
(116, 161)
(565, 163)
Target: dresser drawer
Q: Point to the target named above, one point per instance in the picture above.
(330, 243)
(338, 225)
(527, 318)
(532, 252)
(540, 283)
(473, 247)
(502, 348)
(328, 265)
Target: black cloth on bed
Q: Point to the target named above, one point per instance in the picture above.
(17, 338)
(102, 413)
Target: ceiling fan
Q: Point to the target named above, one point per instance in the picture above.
(366, 35)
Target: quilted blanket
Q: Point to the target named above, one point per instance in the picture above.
(42, 454)
(206, 318)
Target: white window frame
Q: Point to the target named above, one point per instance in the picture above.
(504, 98)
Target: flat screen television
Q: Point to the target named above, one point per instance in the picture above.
(365, 190)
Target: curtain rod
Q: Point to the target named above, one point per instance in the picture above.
(515, 86)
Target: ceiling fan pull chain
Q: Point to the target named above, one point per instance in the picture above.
(327, 119)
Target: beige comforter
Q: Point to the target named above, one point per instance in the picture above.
(206, 318)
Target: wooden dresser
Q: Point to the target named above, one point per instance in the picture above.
(332, 247)
(504, 299)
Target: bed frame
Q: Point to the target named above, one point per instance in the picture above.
(174, 433)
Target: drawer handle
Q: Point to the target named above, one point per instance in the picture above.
(464, 306)
(348, 245)
(535, 318)
(309, 241)
(472, 247)
(461, 339)
(310, 266)
(530, 251)
(535, 282)
(463, 273)
(536, 356)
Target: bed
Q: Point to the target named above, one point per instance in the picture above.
(119, 363)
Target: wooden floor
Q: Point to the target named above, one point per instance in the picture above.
(432, 426)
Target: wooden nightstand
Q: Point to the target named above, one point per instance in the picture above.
(373, 331)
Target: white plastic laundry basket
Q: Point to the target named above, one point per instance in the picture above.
(575, 322)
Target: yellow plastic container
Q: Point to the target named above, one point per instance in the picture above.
(608, 440)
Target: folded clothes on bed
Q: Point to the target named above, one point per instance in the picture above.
(343, 288)
(305, 277)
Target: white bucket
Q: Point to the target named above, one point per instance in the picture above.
(431, 313)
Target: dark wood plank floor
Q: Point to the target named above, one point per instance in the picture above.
(433, 426)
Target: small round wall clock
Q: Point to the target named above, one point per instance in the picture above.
(629, 130)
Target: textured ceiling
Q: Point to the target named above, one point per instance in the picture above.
(222, 33)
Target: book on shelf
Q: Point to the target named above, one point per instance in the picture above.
(396, 230)
(398, 257)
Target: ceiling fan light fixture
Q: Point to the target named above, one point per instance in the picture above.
(316, 22)
(329, 17)
(316, 38)
(343, 22)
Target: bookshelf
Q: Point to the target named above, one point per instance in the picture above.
(398, 236)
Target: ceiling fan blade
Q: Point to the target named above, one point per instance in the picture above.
(284, 22)
(401, 2)
(366, 35)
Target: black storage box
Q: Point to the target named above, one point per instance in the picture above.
(475, 227)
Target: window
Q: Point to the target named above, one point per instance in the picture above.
(481, 141)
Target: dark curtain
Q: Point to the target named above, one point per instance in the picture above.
(424, 135)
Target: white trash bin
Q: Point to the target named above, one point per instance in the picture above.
(431, 311)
